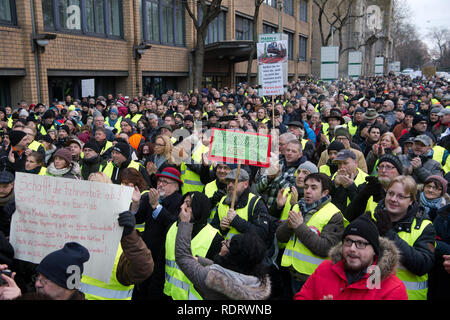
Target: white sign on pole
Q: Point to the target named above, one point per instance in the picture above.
(354, 64)
(379, 66)
(329, 67)
(52, 211)
(87, 88)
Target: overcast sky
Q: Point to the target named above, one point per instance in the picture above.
(429, 13)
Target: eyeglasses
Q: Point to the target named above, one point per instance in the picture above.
(40, 278)
(164, 182)
(385, 168)
(341, 138)
(431, 186)
(391, 194)
(359, 244)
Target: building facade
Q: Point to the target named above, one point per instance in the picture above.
(133, 47)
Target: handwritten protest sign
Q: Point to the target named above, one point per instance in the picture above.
(240, 147)
(51, 211)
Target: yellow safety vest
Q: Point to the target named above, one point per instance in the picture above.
(43, 171)
(109, 168)
(95, 289)
(438, 155)
(140, 227)
(135, 118)
(352, 128)
(34, 145)
(222, 210)
(108, 145)
(177, 285)
(191, 180)
(360, 179)
(43, 131)
(117, 125)
(210, 189)
(325, 169)
(296, 254)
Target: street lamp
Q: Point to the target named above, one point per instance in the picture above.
(139, 50)
(40, 41)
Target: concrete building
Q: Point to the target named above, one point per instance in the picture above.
(134, 47)
(368, 30)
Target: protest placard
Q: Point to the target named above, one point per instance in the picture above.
(240, 147)
(52, 211)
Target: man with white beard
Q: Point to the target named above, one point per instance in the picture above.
(371, 192)
(159, 209)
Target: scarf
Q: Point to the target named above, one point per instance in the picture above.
(430, 204)
(57, 172)
(310, 209)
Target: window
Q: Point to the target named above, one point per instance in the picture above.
(216, 29)
(163, 21)
(302, 48)
(289, 7)
(303, 10)
(7, 12)
(269, 29)
(290, 44)
(96, 17)
(244, 28)
(272, 3)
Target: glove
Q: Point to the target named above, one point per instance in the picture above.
(127, 221)
(383, 222)
(373, 187)
(218, 195)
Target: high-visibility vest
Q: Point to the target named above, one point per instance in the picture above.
(116, 126)
(296, 254)
(34, 145)
(95, 289)
(10, 122)
(325, 169)
(135, 140)
(360, 179)
(438, 155)
(191, 180)
(135, 118)
(109, 168)
(352, 128)
(416, 286)
(209, 191)
(140, 227)
(108, 145)
(43, 171)
(43, 131)
(222, 210)
(177, 285)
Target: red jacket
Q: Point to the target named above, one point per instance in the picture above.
(330, 279)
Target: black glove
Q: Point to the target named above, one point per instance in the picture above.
(127, 221)
(383, 221)
(218, 195)
(373, 187)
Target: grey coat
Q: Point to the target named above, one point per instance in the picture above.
(212, 281)
(428, 168)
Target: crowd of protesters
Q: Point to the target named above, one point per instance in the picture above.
(357, 182)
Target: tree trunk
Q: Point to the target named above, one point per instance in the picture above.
(199, 60)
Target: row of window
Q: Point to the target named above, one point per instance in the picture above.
(288, 6)
(162, 21)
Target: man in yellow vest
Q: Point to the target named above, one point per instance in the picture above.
(330, 168)
(347, 179)
(206, 243)
(121, 159)
(249, 212)
(313, 226)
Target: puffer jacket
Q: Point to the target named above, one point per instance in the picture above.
(330, 278)
(212, 281)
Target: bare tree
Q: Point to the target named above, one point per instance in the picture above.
(210, 10)
(255, 38)
(441, 51)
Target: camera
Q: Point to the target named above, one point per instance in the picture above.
(6, 272)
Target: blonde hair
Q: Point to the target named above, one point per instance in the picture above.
(99, 177)
(408, 183)
(167, 147)
(394, 141)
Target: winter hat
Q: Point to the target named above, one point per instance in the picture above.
(128, 120)
(92, 144)
(47, 138)
(418, 118)
(170, 173)
(55, 266)
(15, 136)
(336, 146)
(64, 153)
(247, 250)
(342, 131)
(366, 229)
(122, 148)
(65, 128)
(308, 165)
(200, 205)
(394, 160)
(439, 180)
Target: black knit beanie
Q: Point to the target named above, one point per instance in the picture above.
(366, 229)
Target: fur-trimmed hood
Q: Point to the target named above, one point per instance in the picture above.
(387, 261)
(237, 286)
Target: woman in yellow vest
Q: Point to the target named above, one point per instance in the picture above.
(400, 219)
(35, 164)
(237, 272)
(206, 243)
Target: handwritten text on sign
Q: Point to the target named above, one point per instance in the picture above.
(52, 211)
